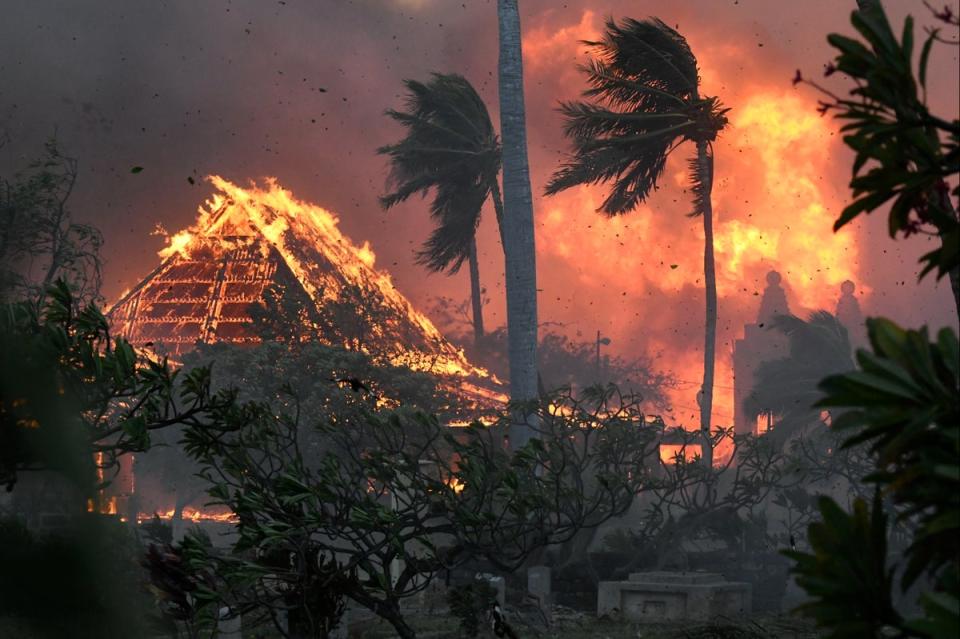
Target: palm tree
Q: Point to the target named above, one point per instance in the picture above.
(645, 102)
(450, 147)
(518, 237)
(787, 388)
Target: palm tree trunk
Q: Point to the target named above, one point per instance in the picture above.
(519, 249)
(475, 293)
(705, 158)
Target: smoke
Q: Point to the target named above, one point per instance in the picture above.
(297, 89)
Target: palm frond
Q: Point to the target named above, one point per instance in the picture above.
(450, 147)
(611, 87)
(634, 165)
(453, 209)
(650, 53)
(642, 92)
(584, 120)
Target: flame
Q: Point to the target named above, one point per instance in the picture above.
(455, 484)
(102, 504)
(176, 243)
(324, 262)
(779, 215)
(789, 145)
(191, 514)
(670, 452)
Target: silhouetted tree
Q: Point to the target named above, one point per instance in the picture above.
(451, 148)
(39, 241)
(787, 387)
(644, 87)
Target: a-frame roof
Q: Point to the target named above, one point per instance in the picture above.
(247, 239)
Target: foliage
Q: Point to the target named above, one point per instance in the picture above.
(182, 584)
(903, 404)
(68, 391)
(39, 241)
(318, 374)
(470, 604)
(394, 498)
(589, 458)
(452, 148)
(81, 581)
(904, 153)
(313, 371)
(286, 314)
(847, 573)
(562, 361)
(645, 82)
(690, 501)
(353, 318)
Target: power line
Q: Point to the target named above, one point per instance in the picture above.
(689, 382)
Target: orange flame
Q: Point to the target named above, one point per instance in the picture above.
(455, 485)
(308, 239)
(192, 514)
(670, 452)
(778, 217)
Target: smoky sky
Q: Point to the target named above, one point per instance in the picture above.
(296, 89)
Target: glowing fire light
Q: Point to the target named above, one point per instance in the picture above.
(670, 452)
(455, 485)
(214, 271)
(191, 514)
(773, 210)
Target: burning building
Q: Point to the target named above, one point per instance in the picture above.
(256, 257)
(250, 243)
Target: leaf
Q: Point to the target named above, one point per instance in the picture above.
(925, 56)
(867, 203)
(136, 169)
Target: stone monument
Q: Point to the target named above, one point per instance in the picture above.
(664, 596)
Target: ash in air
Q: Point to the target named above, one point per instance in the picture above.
(479, 319)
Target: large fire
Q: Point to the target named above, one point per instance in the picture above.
(246, 238)
(191, 514)
(774, 206)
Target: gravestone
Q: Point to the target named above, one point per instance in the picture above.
(538, 586)
(659, 596)
(342, 631)
(229, 627)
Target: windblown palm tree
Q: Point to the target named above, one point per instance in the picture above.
(451, 148)
(787, 388)
(519, 247)
(644, 103)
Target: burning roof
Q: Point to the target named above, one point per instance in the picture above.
(246, 240)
